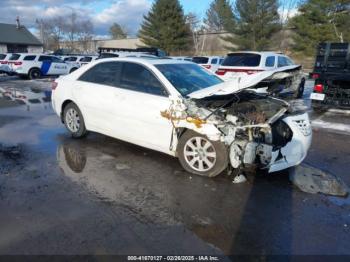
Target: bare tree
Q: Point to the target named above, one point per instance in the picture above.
(195, 25)
(85, 34)
(287, 9)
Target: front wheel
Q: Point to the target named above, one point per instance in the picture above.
(201, 156)
(74, 121)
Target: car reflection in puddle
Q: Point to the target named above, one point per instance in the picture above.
(156, 190)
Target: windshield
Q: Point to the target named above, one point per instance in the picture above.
(242, 59)
(2, 56)
(188, 78)
(200, 60)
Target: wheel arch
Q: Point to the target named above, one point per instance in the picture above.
(32, 68)
(64, 104)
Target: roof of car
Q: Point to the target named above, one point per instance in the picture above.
(256, 52)
(146, 60)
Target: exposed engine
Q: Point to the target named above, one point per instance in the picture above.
(250, 124)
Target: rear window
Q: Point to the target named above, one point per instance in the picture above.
(2, 57)
(270, 61)
(86, 59)
(71, 59)
(29, 58)
(242, 59)
(14, 57)
(200, 60)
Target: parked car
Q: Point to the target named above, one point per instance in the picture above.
(238, 64)
(183, 110)
(332, 76)
(211, 63)
(182, 58)
(87, 59)
(126, 54)
(81, 60)
(4, 67)
(35, 66)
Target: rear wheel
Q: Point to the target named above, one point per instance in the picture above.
(201, 156)
(34, 73)
(72, 70)
(74, 121)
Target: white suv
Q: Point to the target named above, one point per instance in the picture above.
(35, 65)
(4, 68)
(211, 63)
(247, 63)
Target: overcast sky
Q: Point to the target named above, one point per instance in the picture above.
(102, 13)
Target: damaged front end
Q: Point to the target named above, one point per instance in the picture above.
(258, 131)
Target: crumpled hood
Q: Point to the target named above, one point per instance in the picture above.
(241, 82)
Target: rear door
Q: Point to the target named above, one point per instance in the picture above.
(95, 93)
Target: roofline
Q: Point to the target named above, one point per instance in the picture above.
(6, 43)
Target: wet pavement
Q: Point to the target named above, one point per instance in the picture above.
(99, 195)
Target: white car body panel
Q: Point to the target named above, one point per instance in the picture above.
(148, 120)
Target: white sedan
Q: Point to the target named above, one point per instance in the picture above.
(181, 109)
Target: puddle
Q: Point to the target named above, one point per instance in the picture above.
(339, 201)
(312, 180)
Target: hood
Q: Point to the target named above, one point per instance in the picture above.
(241, 82)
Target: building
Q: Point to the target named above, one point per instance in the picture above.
(18, 39)
(92, 46)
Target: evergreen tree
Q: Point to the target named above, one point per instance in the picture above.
(257, 21)
(165, 27)
(219, 16)
(320, 21)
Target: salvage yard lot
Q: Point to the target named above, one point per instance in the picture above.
(103, 196)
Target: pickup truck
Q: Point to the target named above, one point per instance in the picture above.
(332, 76)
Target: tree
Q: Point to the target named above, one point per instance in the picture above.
(195, 26)
(70, 28)
(219, 16)
(85, 34)
(320, 21)
(117, 32)
(257, 21)
(165, 27)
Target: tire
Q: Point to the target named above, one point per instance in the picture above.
(34, 73)
(72, 70)
(209, 162)
(74, 121)
(300, 91)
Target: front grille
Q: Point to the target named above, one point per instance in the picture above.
(304, 126)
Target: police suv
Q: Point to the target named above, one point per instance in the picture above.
(35, 66)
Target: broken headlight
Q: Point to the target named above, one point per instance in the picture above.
(281, 134)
